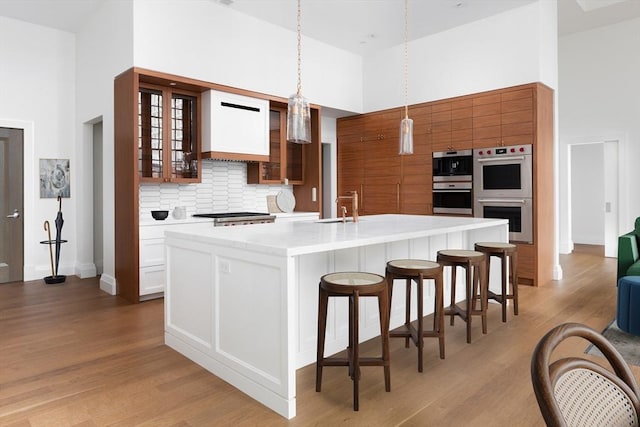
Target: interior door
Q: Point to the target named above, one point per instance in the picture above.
(611, 210)
(11, 205)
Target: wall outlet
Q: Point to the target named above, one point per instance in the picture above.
(225, 267)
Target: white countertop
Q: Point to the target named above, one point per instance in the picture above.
(305, 237)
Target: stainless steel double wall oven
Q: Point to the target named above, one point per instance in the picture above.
(503, 187)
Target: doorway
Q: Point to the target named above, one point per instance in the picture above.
(98, 209)
(11, 205)
(594, 184)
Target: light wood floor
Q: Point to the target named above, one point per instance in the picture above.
(71, 355)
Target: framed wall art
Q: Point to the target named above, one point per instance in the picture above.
(54, 178)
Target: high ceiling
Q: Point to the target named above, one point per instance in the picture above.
(359, 26)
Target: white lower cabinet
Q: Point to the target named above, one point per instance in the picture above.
(152, 261)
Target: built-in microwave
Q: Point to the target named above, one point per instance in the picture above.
(452, 198)
(503, 172)
(453, 166)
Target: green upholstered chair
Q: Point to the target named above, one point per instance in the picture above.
(628, 262)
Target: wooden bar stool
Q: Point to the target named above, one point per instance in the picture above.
(503, 251)
(417, 270)
(473, 263)
(353, 285)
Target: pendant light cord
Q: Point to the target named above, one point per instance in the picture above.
(299, 50)
(406, 59)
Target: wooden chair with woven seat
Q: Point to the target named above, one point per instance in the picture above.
(353, 285)
(576, 391)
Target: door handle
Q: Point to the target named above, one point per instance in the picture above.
(15, 214)
(505, 201)
(500, 159)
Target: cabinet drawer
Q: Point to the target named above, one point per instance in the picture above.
(151, 252)
(152, 279)
(152, 232)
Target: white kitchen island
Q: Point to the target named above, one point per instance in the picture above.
(242, 301)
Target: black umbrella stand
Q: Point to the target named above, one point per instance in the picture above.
(55, 277)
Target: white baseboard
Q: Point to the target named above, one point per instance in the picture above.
(557, 272)
(36, 272)
(565, 247)
(86, 270)
(108, 284)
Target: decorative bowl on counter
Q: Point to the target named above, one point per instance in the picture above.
(159, 215)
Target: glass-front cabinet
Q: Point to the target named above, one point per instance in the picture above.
(168, 142)
(285, 165)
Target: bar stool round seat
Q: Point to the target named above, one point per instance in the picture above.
(353, 285)
(417, 270)
(473, 264)
(508, 255)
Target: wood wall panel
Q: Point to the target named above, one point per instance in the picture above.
(127, 269)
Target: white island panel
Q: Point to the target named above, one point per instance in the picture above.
(242, 301)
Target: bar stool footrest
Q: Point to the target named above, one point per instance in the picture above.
(412, 332)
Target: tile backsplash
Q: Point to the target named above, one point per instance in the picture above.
(223, 188)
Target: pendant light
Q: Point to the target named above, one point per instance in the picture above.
(298, 111)
(406, 125)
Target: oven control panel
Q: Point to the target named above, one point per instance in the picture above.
(503, 151)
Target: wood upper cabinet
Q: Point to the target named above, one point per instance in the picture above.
(168, 134)
(451, 123)
(351, 152)
(382, 163)
(503, 118)
(369, 162)
(286, 159)
(416, 185)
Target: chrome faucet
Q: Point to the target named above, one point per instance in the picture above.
(354, 206)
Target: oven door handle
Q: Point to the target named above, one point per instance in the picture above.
(452, 191)
(500, 159)
(519, 201)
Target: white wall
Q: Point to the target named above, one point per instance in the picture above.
(587, 196)
(599, 101)
(38, 93)
(102, 54)
(211, 42)
(504, 50)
